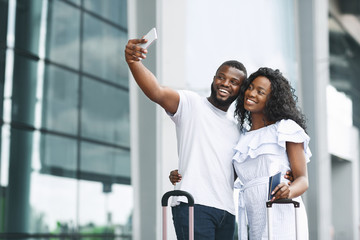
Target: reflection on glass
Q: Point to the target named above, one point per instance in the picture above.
(106, 205)
(106, 164)
(60, 110)
(63, 39)
(25, 83)
(53, 204)
(53, 192)
(47, 185)
(77, 2)
(3, 25)
(109, 212)
(103, 51)
(345, 60)
(58, 155)
(105, 113)
(2, 79)
(18, 189)
(27, 31)
(113, 10)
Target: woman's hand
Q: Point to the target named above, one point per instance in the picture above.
(281, 191)
(289, 176)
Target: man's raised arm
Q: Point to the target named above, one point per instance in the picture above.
(165, 97)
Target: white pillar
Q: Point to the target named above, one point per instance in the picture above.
(141, 18)
(314, 70)
(171, 47)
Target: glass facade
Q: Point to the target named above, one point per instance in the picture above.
(344, 115)
(345, 52)
(65, 140)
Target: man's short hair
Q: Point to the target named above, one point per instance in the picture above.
(235, 64)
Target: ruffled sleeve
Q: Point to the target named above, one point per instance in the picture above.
(271, 140)
(290, 131)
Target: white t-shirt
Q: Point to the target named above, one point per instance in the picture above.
(205, 137)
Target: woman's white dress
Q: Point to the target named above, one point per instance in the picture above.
(260, 154)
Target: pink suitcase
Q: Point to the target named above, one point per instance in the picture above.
(164, 203)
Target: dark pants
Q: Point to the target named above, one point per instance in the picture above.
(209, 223)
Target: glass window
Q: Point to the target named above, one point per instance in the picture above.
(105, 113)
(103, 51)
(3, 23)
(63, 37)
(28, 16)
(55, 185)
(105, 164)
(53, 202)
(58, 155)
(113, 10)
(2, 77)
(344, 63)
(60, 105)
(105, 211)
(103, 168)
(18, 188)
(53, 195)
(24, 90)
(77, 2)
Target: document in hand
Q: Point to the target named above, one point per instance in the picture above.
(273, 182)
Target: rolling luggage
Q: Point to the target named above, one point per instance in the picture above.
(269, 215)
(164, 203)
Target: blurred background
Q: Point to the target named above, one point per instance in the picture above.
(85, 155)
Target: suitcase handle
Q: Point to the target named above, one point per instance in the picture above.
(164, 203)
(282, 201)
(166, 196)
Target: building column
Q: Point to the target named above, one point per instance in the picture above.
(314, 71)
(141, 18)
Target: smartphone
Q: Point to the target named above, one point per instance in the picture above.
(151, 36)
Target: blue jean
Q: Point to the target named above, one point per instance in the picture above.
(209, 223)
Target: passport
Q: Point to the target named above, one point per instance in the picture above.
(273, 182)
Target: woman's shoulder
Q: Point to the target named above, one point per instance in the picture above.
(270, 139)
(288, 130)
(288, 125)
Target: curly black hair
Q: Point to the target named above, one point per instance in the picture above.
(281, 104)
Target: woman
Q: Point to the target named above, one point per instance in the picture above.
(273, 139)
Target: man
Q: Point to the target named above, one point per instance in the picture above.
(206, 137)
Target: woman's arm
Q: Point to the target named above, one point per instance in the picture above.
(296, 155)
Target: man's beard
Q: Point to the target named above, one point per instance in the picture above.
(219, 102)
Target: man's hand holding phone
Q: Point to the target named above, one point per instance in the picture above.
(137, 48)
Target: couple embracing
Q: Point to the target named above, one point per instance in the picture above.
(269, 137)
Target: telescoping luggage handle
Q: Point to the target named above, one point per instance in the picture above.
(164, 203)
(269, 215)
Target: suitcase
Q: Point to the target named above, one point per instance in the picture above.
(164, 203)
(269, 215)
